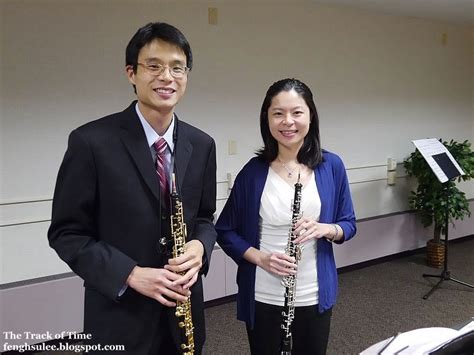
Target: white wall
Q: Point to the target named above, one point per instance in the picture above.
(379, 81)
(472, 81)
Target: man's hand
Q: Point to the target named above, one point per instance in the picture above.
(158, 284)
(189, 263)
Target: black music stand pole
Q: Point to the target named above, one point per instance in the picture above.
(446, 274)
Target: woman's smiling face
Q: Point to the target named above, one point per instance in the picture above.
(289, 119)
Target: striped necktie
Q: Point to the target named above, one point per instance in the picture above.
(160, 147)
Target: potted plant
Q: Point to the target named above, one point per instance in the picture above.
(429, 199)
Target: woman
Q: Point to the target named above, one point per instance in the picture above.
(254, 225)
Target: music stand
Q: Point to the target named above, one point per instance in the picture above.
(445, 163)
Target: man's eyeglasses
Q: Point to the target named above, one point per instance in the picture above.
(176, 71)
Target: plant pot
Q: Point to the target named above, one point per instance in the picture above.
(435, 253)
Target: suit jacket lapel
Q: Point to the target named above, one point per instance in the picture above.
(134, 139)
(182, 152)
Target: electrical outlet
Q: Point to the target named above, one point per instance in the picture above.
(232, 147)
(230, 181)
(391, 178)
(212, 15)
(444, 39)
(391, 164)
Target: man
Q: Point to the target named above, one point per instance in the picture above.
(111, 219)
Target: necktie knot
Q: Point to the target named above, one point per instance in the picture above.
(160, 146)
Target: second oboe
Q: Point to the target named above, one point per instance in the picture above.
(293, 250)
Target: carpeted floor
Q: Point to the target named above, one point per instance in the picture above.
(374, 303)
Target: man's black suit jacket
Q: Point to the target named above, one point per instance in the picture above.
(106, 219)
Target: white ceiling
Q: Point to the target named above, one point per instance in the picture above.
(452, 11)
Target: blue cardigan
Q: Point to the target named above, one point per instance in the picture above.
(238, 227)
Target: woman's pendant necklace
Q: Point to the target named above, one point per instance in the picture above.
(288, 170)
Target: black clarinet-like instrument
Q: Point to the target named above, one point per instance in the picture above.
(293, 250)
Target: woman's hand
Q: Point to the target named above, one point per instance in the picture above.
(307, 229)
(276, 263)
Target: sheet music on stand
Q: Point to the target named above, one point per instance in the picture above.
(439, 159)
(423, 341)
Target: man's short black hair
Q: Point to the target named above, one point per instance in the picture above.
(151, 32)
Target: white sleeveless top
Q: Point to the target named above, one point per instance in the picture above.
(275, 222)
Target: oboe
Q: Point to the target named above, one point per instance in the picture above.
(179, 234)
(293, 250)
